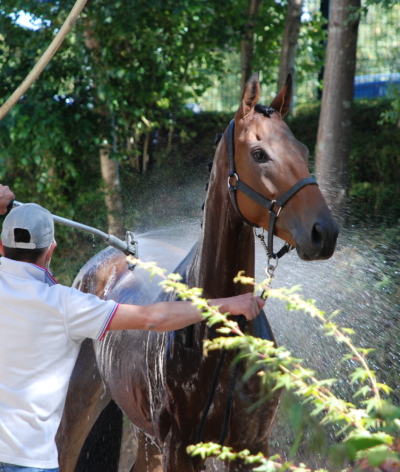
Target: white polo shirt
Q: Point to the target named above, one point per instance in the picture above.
(41, 327)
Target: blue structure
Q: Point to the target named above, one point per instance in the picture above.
(374, 85)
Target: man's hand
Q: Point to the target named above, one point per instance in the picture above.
(5, 198)
(247, 305)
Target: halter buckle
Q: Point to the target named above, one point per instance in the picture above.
(229, 181)
(280, 208)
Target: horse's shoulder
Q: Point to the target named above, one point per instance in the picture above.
(95, 275)
(182, 269)
(107, 274)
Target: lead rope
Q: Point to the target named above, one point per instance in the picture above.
(231, 390)
(210, 397)
(229, 398)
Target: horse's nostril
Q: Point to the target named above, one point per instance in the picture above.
(318, 235)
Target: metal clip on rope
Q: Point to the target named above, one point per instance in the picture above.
(270, 269)
(271, 266)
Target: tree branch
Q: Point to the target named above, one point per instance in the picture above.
(44, 60)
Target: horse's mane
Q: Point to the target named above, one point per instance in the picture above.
(264, 110)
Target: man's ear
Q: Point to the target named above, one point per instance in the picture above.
(1, 248)
(50, 251)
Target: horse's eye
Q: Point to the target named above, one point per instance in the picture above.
(260, 156)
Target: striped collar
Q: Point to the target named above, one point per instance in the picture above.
(26, 270)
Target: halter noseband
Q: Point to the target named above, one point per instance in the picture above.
(264, 202)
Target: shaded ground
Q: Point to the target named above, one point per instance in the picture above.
(128, 447)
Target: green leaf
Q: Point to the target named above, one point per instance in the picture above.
(359, 443)
(363, 391)
(377, 457)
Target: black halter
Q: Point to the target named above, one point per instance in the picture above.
(264, 202)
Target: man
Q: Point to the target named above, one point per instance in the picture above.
(6, 196)
(41, 327)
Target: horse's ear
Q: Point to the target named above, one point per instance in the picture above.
(281, 102)
(251, 95)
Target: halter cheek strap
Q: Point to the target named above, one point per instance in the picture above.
(261, 200)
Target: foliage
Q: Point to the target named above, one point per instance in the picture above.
(392, 115)
(268, 38)
(384, 3)
(125, 70)
(84, 96)
(310, 56)
(269, 26)
(50, 138)
(374, 162)
(368, 425)
(121, 72)
(378, 39)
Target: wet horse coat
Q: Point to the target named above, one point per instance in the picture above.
(161, 380)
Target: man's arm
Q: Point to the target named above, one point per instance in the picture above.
(5, 198)
(169, 316)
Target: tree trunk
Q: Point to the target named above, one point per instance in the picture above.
(289, 44)
(246, 46)
(324, 8)
(146, 151)
(334, 130)
(110, 174)
(109, 167)
(132, 149)
(170, 136)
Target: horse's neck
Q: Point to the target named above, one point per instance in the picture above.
(226, 245)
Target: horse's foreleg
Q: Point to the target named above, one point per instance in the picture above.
(85, 400)
(176, 458)
(262, 446)
(149, 456)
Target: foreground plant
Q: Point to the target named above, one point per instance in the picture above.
(369, 430)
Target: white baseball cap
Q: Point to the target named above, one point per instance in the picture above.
(36, 220)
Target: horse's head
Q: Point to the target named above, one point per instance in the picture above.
(269, 160)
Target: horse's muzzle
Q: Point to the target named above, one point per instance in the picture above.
(320, 244)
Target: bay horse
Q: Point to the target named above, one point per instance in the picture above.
(161, 380)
